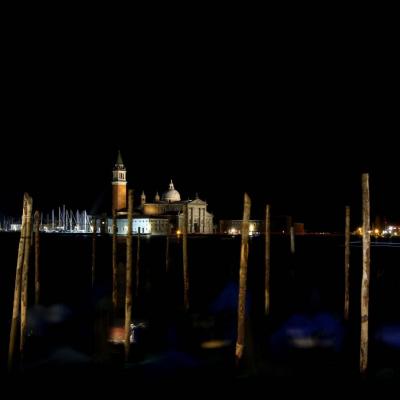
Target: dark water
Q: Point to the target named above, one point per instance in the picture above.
(306, 302)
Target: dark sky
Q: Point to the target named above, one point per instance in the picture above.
(293, 116)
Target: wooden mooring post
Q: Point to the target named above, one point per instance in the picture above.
(347, 264)
(167, 253)
(267, 257)
(292, 240)
(137, 263)
(244, 253)
(185, 259)
(24, 281)
(114, 263)
(94, 250)
(366, 249)
(37, 256)
(128, 291)
(17, 288)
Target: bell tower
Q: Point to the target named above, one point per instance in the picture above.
(119, 185)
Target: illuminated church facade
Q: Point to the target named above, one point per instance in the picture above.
(163, 215)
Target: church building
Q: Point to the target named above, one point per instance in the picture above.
(163, 215)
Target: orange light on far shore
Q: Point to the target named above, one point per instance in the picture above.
(116, 335)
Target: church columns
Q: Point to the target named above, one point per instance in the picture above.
(199, 229)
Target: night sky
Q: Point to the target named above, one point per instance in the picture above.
(292, 117)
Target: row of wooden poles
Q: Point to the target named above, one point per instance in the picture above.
(128, 280)
(21, 281)
(243, 269)
(20, 303)
(366, 245)
(129, 273)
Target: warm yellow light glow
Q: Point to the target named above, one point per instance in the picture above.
(376, 231)
(215, 344)
(178, 232)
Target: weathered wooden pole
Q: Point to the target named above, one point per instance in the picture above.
(292, 246)
(17, 288)
(114, 262)
(267, 256)
(94, 249)
(167, 253)
(24, 281)
(185, 259)
(128, 292)
(347, 264)
(137, 263)
(244, 253)
(37, 256)
(366, 246)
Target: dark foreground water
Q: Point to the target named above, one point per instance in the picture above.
(304, 336)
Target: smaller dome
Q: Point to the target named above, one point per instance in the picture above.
(171, 194)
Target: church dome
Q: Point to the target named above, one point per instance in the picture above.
(171, 194)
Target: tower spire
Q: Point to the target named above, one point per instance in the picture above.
(119, 159)
(143, 198)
